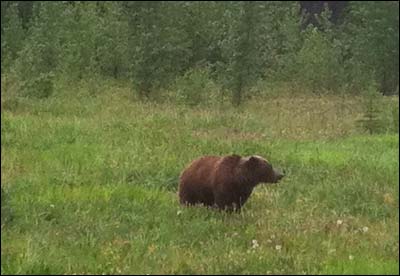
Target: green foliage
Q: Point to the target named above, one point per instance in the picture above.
(196, 87)
(41, 86)
(371, 36)
(12, 37)
(202, 23)
(313, 60)
(111, 57)
(318, 63)
(239, 49)
(95, 39)
(72, 41)
(379, 115)
(242, 43)
(386, 113)
(160, 51)
(372, 120)
(79, 46)
(38, 60)
(281, 39)
(395, 117)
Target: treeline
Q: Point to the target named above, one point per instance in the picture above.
(192, 48)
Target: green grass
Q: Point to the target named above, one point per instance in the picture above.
(90, 187)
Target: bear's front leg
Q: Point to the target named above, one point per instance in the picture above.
(227, 203)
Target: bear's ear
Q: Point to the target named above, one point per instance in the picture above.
(252, 162)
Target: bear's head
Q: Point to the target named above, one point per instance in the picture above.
(260, 170)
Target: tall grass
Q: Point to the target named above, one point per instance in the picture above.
(89, 186)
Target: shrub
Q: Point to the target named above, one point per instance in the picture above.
(318, 63)
(196, 87)
(372, 105)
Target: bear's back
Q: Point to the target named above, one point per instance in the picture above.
(198, 180)
(195, 183)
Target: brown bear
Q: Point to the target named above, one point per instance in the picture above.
(224, 182)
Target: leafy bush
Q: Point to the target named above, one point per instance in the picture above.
(371, 38)
(12, 37)
(391, 115)
(380, 113)
(196, 87)
(39, 58)
(39, 87)
(371, 120)
(318, 62)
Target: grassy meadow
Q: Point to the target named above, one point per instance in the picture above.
(89, 185)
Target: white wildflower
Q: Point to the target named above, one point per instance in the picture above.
(255, 244)
(351, 257)
(365, 229)
(278, 247)
(339, 222)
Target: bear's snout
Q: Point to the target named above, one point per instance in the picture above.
(278, 175)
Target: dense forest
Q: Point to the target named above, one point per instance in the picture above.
(193, 48)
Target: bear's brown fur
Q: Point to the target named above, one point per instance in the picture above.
(224, 182)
